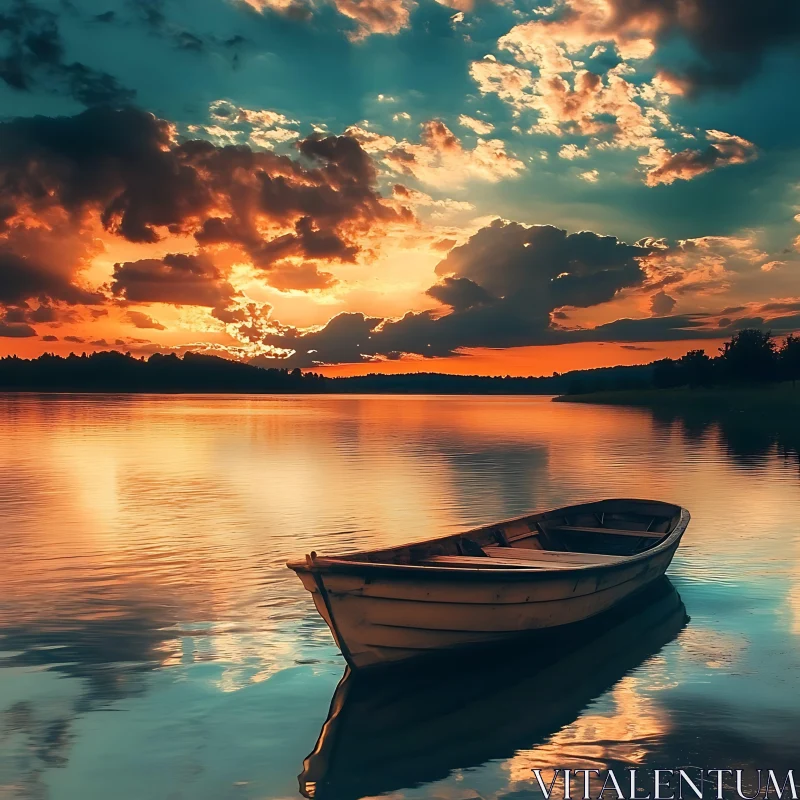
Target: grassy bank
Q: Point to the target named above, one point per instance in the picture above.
(770, 399)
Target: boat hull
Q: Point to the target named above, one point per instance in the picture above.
(385, 615)
(383, 736)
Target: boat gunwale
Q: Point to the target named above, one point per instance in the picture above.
(325, 564)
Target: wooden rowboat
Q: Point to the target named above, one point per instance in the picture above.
(429, 720)
(492, 583)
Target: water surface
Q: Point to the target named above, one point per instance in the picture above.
(153, 645)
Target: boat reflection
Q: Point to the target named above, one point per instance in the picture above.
(416, 725)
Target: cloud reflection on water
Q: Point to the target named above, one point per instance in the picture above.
(146, 615)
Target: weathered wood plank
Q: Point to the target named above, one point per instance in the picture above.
(476, 562)
(607, 531)
(549, 556)
(380, 631)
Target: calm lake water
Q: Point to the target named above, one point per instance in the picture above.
(153, 645)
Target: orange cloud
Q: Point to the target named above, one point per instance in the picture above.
(550, 78)
(724, 149)
(376, 16)
(440, 158)
(479, 126)
(551, 43)
(387, 17)
(135, 183)
(514, 85)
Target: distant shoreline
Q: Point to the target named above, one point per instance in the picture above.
(743, 377)
(771, 398)
(120, 373)
(270, 393)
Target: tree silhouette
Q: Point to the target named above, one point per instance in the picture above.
(749, 356)
(789, 359)
(666, 374)
(696, 368)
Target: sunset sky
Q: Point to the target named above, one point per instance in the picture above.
(497, 186)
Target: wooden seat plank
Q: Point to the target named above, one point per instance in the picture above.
(500, 558)
(550, 556)
(606, 531)
(477, 562)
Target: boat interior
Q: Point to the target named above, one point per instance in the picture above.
(590, 534)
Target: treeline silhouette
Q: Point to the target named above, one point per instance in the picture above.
(111, 371)
(594, 380)
(751, 357)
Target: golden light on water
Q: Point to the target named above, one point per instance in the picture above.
(146, 536)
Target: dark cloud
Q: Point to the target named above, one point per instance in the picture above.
(731, 38)
(140, 320)
(779, 306)
(538, 269)
(15, 330)
(23, 277)
(49, 338)
(662, 304)
(150, 11)
(653, 329)
(125, 165)
(76, 339)
(124, 168)
(353, 337)
(188, 41)
(307, 241)
(786, 324)
(343, 339)
(153, 15)
(15, 315)
(43, 313)
(502, 286)
(32, 56)
(762, 316)
(681, 327)
(460, 293)
(178, 278)
(746, 322)
(91, 87)
(107, 161)
(341, 157)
